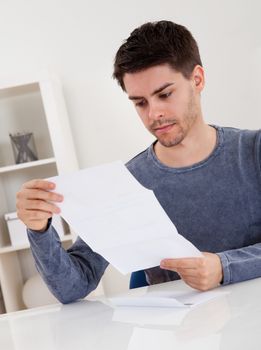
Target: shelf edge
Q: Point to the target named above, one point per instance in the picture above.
(16, 167)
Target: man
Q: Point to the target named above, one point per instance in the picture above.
(207, 178)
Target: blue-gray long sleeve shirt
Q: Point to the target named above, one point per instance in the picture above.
(216, 204)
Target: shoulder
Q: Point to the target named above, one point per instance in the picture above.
(142, 167)
(237, 132)
(243, 137)
(138, 165)
(244, 143)
(137, 160)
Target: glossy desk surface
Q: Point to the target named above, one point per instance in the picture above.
(231, 321)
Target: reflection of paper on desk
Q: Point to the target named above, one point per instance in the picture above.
(119, 218)
(166, 299)
(154, 339)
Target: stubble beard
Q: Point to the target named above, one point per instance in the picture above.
(182, 127)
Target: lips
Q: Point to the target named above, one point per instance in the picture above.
(164, 128)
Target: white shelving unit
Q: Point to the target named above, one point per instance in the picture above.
(34, 104)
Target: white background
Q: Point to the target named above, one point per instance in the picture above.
(78, 39)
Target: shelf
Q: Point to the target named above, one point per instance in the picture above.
(32, 103)
(9, 249)
(22, 166)
(26, 79)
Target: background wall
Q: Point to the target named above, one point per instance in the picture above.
(78, 40)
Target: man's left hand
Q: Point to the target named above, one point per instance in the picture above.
(200, 273)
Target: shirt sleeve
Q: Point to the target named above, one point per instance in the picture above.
(71, 274)
(241, 264)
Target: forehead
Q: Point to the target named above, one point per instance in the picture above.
(149, 79)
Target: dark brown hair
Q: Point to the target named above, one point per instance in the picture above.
(156, 43)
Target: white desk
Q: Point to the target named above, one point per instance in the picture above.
(229, 322)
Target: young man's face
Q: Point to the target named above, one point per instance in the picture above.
(167, 103)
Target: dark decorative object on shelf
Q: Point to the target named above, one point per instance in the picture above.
(23, 147)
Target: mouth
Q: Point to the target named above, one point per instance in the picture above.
(163, 129)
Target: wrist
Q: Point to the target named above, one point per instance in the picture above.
(39, 228)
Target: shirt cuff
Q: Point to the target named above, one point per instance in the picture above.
(32, 232)
(226, 271)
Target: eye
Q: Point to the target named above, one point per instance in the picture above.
(140, 103)
(165, 95)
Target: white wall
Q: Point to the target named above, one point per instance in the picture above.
(78, 39)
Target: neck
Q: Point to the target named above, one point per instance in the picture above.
(198, 144)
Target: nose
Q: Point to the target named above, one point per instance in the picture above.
(155, 112)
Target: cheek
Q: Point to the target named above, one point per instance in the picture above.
(180, 103)
(143, 117)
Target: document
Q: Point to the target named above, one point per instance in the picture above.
(166, 299)
(119, 218)
(150, 315)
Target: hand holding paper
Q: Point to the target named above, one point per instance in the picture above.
(201, 274)
(119, 218)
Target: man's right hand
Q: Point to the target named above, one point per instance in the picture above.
(35, 204)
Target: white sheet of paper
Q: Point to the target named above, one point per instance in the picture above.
(166, 299)
(119, 218)
(150, 315)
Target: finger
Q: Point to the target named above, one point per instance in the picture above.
(203, 287)
(41, 206)
(190, 278)
(184, 263)
(36, 215)
(192, 285)
(201, 284)
(192, 281)
(188, 273)
(43, 195)
(39, 183)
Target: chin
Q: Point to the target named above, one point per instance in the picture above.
(171, 142)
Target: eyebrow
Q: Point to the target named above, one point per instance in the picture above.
(153, 93)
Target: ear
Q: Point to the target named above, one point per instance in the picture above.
(198, 78)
